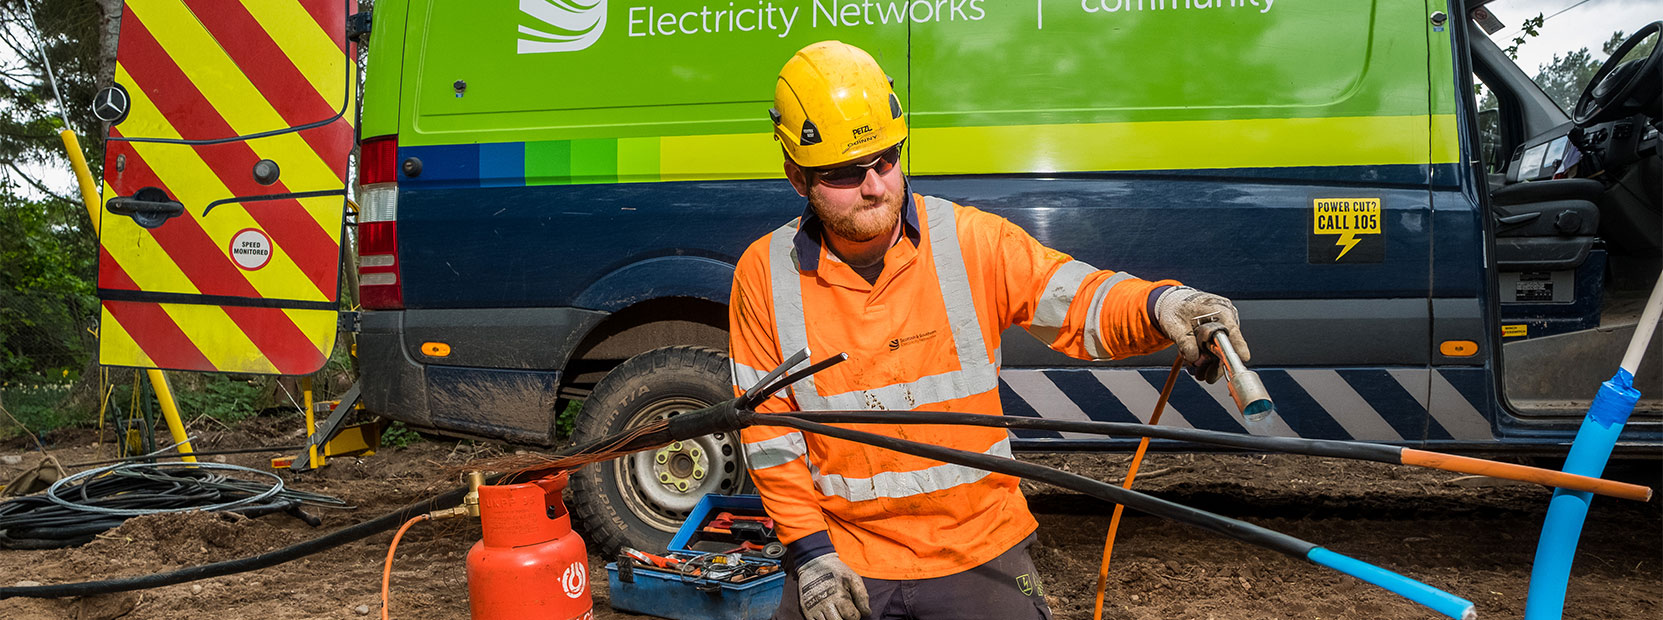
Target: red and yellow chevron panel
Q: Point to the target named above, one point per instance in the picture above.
(241, 112)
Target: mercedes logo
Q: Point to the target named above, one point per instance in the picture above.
(111, 104)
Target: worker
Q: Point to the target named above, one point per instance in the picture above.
(916, 290)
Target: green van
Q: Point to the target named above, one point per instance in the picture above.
(554, 193)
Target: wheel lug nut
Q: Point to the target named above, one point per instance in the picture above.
(698, 474)
(682, 485)
(674, 446)
(664, 477)
(662, 458)
(694, 452)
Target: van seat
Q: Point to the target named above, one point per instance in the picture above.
(1551, 189)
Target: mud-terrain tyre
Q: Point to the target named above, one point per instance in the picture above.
(638, 501)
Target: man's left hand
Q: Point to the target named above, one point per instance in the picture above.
(1176, 312)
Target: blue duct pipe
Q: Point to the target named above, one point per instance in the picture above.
(1433, 598)
(1551, 573)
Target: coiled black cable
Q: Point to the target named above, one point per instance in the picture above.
(42, 522)
(719, 418)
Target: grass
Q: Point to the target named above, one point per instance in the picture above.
(38, 408)
(566, 421)
(398, 435)
(44, 407)
(222, 398)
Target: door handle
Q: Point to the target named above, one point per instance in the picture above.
(149, 207)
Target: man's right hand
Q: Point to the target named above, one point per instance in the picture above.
(829, 590)
(1176, 311)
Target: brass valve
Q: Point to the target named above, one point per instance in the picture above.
(470, 502)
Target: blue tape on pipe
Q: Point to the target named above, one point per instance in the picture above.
(1615, 400)
(1433, 598)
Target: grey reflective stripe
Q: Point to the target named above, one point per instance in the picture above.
(976, 373)
(775, 452)
(1094, 316)
(895, 484)
(1051, 310)
(1052, 307)
(744, 377)
(789, 325)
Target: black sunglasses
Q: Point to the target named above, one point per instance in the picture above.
(852, 175)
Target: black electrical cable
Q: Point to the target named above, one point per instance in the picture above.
(720, 418)
(1294, 445)
(292, 552)
(193, 453)
(724, 417)
(37, 519)
(765, 392)
(1230, 528)
(757, 393)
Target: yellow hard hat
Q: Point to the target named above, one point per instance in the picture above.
(833, 103)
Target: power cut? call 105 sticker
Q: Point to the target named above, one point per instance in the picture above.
(1346, 230)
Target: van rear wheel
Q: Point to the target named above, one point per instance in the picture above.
(641, 499)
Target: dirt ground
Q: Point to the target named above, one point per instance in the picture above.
(1472, 537)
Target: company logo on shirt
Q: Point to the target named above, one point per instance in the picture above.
(561, 25)
(895, 344)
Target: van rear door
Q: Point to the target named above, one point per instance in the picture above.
(225, 185)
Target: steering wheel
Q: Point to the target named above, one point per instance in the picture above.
(1620, 86)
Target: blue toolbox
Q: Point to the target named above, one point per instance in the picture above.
(723, 564)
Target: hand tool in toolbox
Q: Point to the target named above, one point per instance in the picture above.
(743, 527)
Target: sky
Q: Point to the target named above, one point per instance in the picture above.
(1571, 24)
(1586, 23)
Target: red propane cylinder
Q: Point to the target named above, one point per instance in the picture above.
(530, 565)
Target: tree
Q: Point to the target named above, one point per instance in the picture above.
(1564, 78)
(1530, 28)
(47, 246)
(47, 303)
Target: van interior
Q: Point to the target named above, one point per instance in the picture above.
(1575, 220)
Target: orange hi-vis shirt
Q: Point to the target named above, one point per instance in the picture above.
(924, 336)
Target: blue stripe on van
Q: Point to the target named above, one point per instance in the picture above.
(1197, 407)
(1096, 401)
(448, 166)
(1014, 405)
(1396, 406)
(502, 164)
(1474, 385)
(1302, 413)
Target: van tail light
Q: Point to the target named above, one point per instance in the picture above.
(378, 273)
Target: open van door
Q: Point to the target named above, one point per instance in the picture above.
(225, 172)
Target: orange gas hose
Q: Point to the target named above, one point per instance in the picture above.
(1131, 474)
(387, 571)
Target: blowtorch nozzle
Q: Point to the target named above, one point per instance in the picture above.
(1245, 387)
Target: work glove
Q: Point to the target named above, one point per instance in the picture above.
(1176, 312)
(829, 590)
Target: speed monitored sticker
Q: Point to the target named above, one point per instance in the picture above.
(1346, 230)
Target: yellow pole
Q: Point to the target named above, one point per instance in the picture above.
(89, 197)
(313, 459)
(170, 411)
(83, 176)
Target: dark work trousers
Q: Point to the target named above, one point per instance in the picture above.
(1005, 588)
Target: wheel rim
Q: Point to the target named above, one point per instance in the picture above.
(661, 486)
